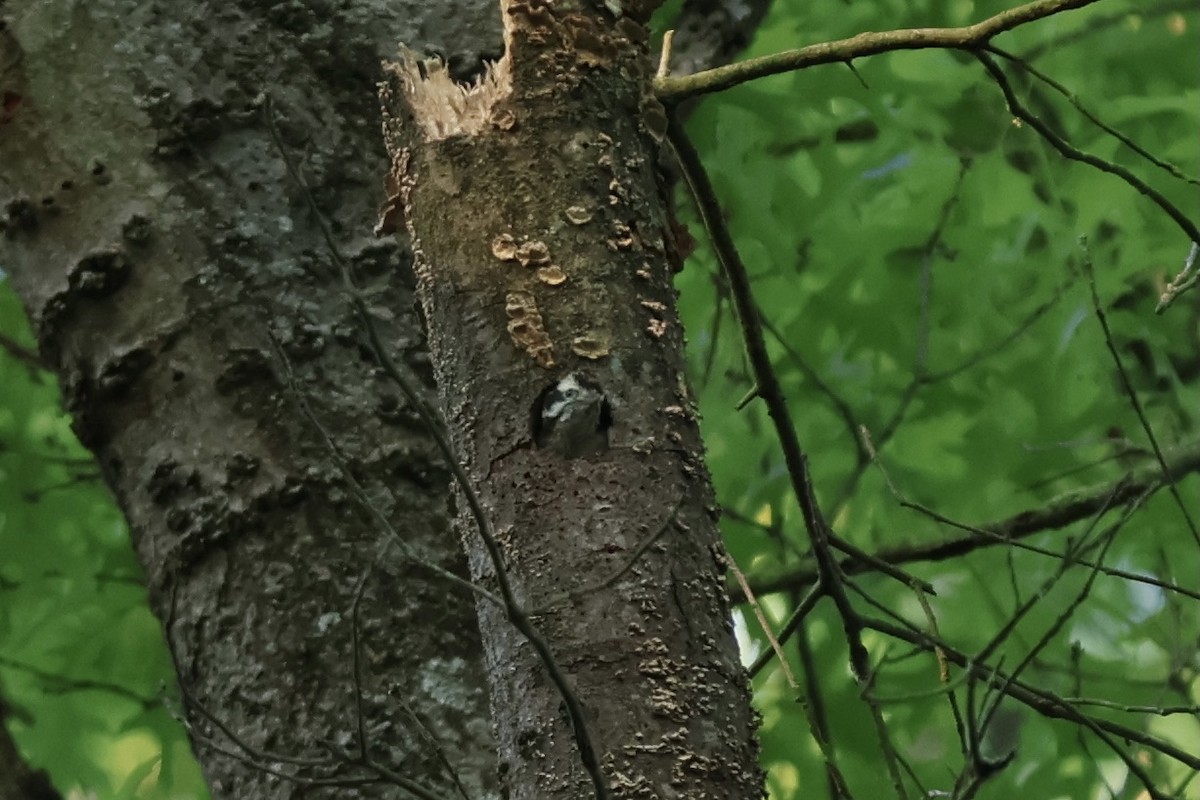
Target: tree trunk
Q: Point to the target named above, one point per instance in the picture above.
(160, 246)
(283, 495)
(544, 250)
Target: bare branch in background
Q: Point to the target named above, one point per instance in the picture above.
(674, 89)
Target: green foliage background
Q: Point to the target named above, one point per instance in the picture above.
(917, 254)
(83, 667)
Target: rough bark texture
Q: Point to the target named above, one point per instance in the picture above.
(709, 33)
(543, 247)
(160, 246)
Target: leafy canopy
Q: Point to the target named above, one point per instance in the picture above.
(916, 261)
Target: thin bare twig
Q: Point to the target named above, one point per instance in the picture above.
(890, 755)
(605, 583)
(21, 353)
(1068, 150)
(1014, 619)
(763, 623)
(360, 714)
(806, 604)
(1043, 701)
(1127, 384)
(1025, 66)
(768, 386)
(264, 760)
(1161, 711)
(816, 710)
(809, 700)
(1106, 537)
(1064, 510)
(664, 58)
(359, 491)
(840, 406)
(675, 89)
(1008, 684)
(54, 683)
(920, 373)
(1186, 279)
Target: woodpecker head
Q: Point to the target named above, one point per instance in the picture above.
(572, 417)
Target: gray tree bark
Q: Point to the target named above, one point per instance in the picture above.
(283, 496)
(166, 258)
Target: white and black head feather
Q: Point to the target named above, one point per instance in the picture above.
(572, 417)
